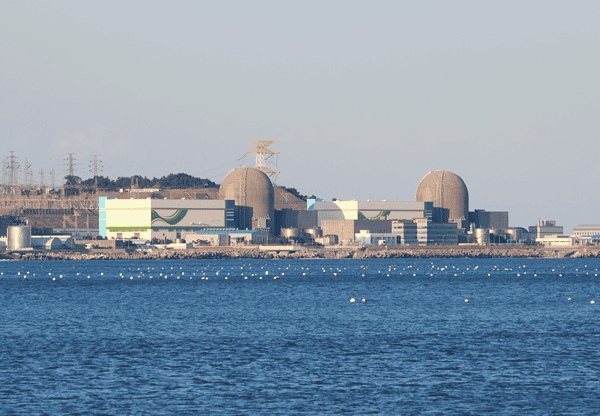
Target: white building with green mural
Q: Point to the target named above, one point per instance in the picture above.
(371, 210)
(162, 218)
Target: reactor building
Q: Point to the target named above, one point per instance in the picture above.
(446, 190)
(254, 198)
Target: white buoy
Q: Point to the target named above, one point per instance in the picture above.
(363, 300)
(352, 300)
(569, 299)
(466, 300)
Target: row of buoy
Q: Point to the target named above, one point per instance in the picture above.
(363, 300)
(592, 301)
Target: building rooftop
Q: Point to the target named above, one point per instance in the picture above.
(587, 227)
(208, 232)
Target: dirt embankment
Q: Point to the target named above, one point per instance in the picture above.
(329, 253)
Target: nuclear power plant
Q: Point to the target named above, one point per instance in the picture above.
(446, 190)
(248, 208)
(254, 197)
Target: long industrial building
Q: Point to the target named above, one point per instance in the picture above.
(162, 218)
(375, 210)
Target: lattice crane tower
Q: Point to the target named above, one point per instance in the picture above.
(262, 155)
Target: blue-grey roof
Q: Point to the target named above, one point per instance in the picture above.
(587, 227)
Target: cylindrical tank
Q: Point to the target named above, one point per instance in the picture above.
(514, 234)
(315, 232)
(482, 235)
(290, 232)
(19, 237)
(254, 197)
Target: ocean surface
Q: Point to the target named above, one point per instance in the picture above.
(225, 337)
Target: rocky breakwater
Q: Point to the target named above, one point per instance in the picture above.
(205, 253)
(453, 252)
(479, 252)
(329, 253)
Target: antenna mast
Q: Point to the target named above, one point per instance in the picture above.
(260, 150)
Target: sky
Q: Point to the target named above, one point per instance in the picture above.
(364, 97)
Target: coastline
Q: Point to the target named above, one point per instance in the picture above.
(232, 253)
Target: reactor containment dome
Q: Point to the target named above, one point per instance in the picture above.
(254, 198)
(446, 190)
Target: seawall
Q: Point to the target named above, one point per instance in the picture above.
(326, 253)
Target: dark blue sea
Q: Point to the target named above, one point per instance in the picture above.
(213, 337)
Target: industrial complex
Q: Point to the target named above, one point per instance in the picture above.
(247, 209)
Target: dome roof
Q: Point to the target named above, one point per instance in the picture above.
(251, 188)
(445, 190)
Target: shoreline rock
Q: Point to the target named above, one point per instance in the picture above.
(327, 253)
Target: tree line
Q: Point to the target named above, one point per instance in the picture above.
(171, 181)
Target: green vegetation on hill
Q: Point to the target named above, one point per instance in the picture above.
(296, 193)
(171, 181)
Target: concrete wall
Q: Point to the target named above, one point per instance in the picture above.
(288, 218)
(489, 219)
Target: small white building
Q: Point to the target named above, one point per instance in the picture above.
(587, 230)
(52, 242)
(367, 238)
(557, 241)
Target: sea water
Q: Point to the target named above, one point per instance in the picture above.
(227, 337)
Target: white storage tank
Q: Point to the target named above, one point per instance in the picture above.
(290, 232)
(19, 237)
(315, 232)
(482, 235)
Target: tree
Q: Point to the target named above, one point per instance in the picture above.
(72, 180)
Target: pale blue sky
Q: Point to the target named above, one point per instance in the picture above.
(364, 97)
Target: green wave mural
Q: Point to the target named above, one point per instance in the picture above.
(379, 216)
(171, 220)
